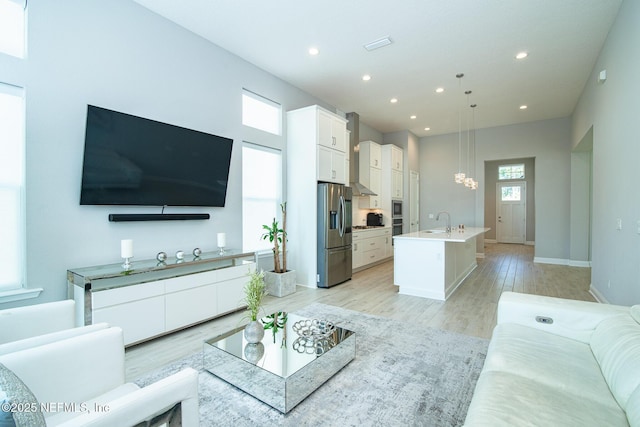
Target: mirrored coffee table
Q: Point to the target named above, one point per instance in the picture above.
(288, 365)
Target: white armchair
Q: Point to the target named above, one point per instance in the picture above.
(34, 325)
(83, 379)
(38, 319)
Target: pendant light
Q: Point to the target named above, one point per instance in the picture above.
(468, 181)
(460, 176)
(474, 184)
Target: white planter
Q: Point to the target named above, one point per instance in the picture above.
(280, 284)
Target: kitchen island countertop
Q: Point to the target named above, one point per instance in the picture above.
(440, 234)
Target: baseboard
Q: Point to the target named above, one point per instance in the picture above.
(562, 261)
(555, 261)
(576, 263)
(597, 295)
(480, 255)
(490, 241)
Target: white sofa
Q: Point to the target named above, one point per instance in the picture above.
(577, 365)
(89, 371)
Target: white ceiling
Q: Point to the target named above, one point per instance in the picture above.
(433, 40)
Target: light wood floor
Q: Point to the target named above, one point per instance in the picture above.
(470, 310)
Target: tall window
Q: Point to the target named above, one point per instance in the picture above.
(261, 113)
(11, 186)
(12, 27)
(507, 172)
(261, 193)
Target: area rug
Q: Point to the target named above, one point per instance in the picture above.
(402, 375)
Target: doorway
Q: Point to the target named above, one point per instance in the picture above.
(511, 209)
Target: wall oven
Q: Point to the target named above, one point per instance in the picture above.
(396, 210)
(396, 219)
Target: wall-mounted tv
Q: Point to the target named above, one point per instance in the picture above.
(131, 160)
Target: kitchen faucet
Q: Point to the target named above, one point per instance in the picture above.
(448, 220)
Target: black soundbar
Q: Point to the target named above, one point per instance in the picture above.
(156, 217)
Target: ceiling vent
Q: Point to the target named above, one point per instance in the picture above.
(377, 44)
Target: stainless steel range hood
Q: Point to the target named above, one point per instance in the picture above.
(353, 125)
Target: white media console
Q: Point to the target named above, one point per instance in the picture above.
(155, 298)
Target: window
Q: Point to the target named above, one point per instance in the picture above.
(260, 113)
(261, 193)
(511, 172)
(511, 194)
(12, 27)
(11, 186)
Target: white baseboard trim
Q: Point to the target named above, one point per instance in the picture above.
(576, 263)
(597, 295)
(556, 261)
(562, 261)
(480, 255)
(490, 241)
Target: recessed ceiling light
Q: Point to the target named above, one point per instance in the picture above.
(313, 51)
(522, 55)
(412, 117)
(427, 128)
(393, 100)
(440, 90)
(366, 77)
(523, 107)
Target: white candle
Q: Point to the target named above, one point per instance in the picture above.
(126, 248)
(222, 240)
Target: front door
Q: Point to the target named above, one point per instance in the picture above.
(511, 209)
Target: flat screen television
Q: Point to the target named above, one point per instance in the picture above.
(131, 160)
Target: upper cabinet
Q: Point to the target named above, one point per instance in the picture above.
(370, 150)
(332, 131)
(317, 135)
(396, 158)
(371, 173)
(392, 166)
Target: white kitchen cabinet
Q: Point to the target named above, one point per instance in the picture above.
(388, 243)
(392, 175)
(370, 153)
(397, 183)
(331, 131)
(332, 165)
(371, 177)
(357, 260)
(370, 246)
(396, 157)
(318, 136)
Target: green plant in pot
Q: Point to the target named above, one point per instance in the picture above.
(280, 281)
(254, 292)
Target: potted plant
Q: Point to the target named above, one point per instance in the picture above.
(280, 281)
(254, 292)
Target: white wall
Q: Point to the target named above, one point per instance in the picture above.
(612, 109)
(121, 56)
(548, 141)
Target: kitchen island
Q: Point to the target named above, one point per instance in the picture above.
(433, 263)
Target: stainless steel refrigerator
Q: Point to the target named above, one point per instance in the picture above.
(334, 234)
